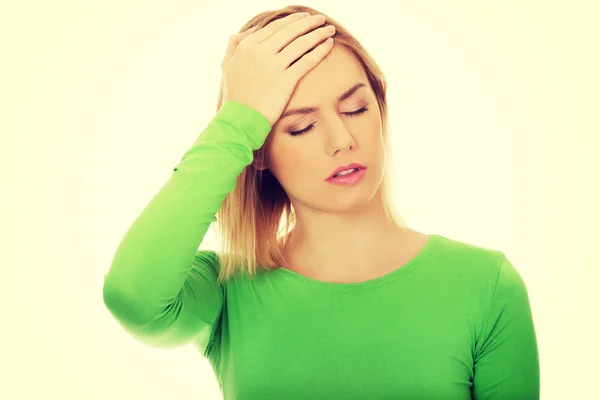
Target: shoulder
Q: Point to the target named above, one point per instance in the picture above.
(470, 260)
(477, 271)
(206, 260)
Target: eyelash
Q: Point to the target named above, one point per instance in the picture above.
(350, 114)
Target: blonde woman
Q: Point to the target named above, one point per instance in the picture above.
(320, 291)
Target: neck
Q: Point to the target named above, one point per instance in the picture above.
(339, 242)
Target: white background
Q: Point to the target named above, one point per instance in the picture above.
(494, 124)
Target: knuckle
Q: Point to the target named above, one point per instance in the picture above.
(244, 48)
(241, 45)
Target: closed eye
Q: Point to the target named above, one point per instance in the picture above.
(350, 114)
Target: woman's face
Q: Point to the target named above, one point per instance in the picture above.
(303, 150)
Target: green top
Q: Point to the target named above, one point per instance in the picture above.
(453, 323)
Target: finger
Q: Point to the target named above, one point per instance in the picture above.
(247, 32)
(304, 45)
(310, 60)
(276, 25)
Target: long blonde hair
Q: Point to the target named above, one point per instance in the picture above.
(257, 215)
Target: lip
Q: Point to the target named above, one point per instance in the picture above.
(348, 180)
(345, 167)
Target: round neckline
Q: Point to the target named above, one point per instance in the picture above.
(399, 272)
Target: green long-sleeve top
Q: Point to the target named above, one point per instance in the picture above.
(454, 322)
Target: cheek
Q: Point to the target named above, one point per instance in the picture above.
(368, 132)
(374, 143)
(285, 160)
(374, 125)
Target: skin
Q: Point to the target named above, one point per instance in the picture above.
(341, 232)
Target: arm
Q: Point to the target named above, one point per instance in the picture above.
(160, 288)
(506, 353)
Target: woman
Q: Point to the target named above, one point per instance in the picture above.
(321, 291)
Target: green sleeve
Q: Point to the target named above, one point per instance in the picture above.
(506, 364)
(159, 287)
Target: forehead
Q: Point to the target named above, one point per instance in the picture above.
(331, 77)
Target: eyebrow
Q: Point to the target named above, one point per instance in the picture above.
(308, 110)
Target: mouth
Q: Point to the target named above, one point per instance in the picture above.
(351, 178)
(346, 170)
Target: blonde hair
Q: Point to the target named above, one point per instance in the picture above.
(257, 215)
